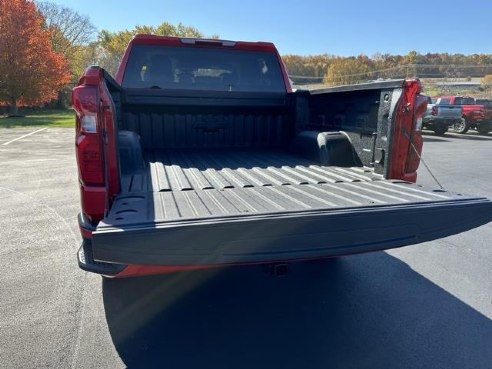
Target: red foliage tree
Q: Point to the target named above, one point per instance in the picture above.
(30, 72)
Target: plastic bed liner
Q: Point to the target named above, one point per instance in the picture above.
(228, 206)
(184, 170)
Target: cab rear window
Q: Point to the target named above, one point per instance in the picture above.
(464, 101)
(484, 102)
(200, 68)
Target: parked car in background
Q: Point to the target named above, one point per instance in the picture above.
(439, 117)
(473, 114)
(487, 105)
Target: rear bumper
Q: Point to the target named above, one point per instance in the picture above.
(86, 261)
(85, 257)
(280, 237)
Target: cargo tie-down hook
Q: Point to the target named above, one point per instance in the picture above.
(407, 135)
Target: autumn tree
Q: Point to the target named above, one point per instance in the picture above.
(486, 82)
(71, 34)
(307, 69)
(30, 72)
(343, 71)
(113, 44)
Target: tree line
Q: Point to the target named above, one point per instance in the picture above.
(336, 70)
(45, 47)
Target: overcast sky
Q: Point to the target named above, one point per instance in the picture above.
(315, 26)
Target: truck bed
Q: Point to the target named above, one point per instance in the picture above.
(225, 206)
(183, 170)
(200, 184)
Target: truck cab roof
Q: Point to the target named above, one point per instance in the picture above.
(146, 39)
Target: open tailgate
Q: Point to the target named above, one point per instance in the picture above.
(263, 224)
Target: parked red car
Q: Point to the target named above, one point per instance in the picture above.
(487, 105)
(473, 114)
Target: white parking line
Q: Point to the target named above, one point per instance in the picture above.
(21, 137)
(27, 161)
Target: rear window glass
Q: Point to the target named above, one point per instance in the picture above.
(484, 102)
(196, 68)
(464, 101)
(444, 101)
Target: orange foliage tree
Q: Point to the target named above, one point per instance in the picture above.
(30, 72)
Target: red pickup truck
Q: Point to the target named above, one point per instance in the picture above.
(474, 115)
(199, 154)
(486, 126)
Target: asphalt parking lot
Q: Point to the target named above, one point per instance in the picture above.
(423, 306)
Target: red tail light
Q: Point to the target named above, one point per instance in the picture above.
(435, 110)
(416, 141)
(88, 138)
(407, 139)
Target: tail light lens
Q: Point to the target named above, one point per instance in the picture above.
(416, 141)
(435, 110)
(88, 138)
(407, 133)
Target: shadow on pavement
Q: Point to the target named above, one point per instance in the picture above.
(367, 311)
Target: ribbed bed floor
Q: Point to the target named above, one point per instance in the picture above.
(184, 170)
(204, 184)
